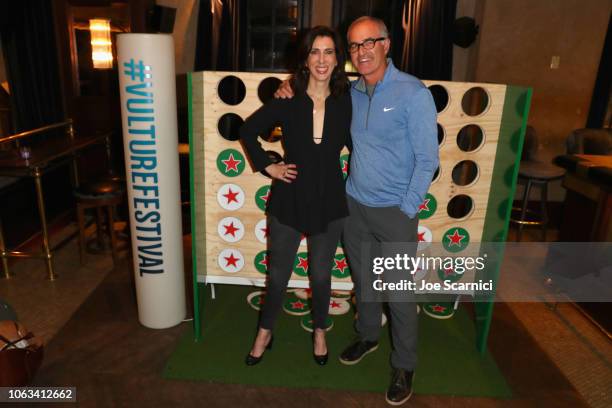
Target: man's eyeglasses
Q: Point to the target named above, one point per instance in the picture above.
(367, 44)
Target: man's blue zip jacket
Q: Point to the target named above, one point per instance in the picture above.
(395, 142)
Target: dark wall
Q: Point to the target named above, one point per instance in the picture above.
(99, 110)
(519, 39)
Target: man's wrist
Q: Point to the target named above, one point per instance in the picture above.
(406, 209)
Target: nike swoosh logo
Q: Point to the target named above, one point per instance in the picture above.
(387, 109)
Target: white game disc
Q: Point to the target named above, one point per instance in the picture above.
(338, 307)
(261, 231)
(230, 229)
(230, 197)
(231, 260)
(424, 238)
(303, 293)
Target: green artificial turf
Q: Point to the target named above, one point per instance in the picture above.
(449, 363)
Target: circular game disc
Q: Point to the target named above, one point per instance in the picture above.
(338, 307)
(296, 306)
(306, 323)
(256, 299)
(303, 294)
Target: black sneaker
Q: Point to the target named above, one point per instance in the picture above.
(400, 389)
(356, 351)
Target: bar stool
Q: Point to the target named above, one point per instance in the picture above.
(101, 195)
(533, 172)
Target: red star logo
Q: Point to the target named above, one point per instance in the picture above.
(448, 272)
(231, 261)
(259, 300)
(455, 239)
(265, 231)
(264, 261)
(344, 166)
(266, 196)
(438, 308)
(341, 265)
(231, 163)
(421, 236)
(424, 206)
(297, 305)
(231, 196)
(230, 229)
(334, 304)
(302, 263)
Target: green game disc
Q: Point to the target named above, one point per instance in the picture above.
(449, 274)
(428, 207)
(261, 262)
(231, 162)
(256, 299)
(300, 264)
(306, 323)
(344, 165)
(340, 268)
(439, 310)
(262, 197)
(296, 306)
(455, 239)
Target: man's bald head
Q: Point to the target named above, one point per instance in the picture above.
(382, 27)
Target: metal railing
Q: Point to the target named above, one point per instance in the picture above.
(17, 136)
(46, 253)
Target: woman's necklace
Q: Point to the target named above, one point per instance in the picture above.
(318, 102)
(318, 110)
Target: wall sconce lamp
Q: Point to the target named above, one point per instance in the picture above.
(101, 44)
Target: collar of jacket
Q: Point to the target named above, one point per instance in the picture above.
(389, 75)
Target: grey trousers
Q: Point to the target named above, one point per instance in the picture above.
(382, 231)
(284, 242)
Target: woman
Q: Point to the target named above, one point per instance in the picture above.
(308, 189)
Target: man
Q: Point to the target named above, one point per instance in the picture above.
(394, 156)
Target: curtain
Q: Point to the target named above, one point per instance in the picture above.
(30, 54)
(600, 112)
(422, 37)
(221, 36)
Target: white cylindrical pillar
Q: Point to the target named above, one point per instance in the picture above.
(150, 138)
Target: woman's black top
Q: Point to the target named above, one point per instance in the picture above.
(317, 195)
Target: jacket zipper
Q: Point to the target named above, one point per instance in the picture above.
(369, 104)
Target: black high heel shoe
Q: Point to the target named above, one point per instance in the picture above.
(252, 360)
(319, 359)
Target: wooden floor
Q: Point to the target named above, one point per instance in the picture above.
(115, 362)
